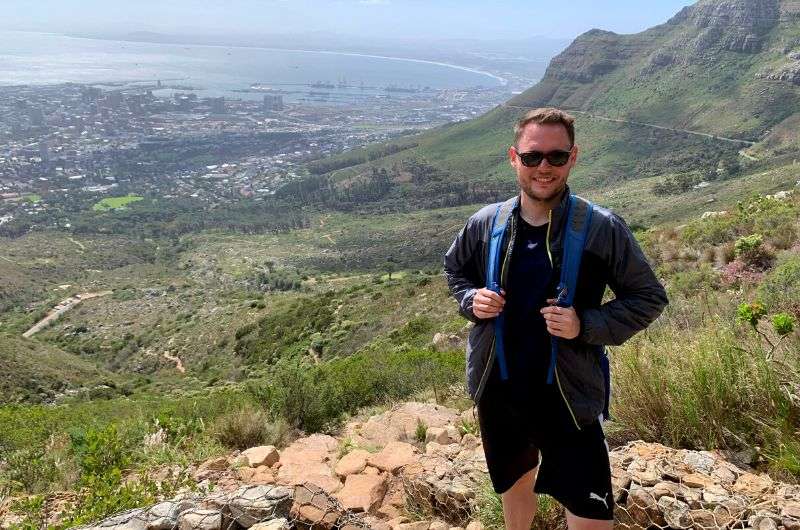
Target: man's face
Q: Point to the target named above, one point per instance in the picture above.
(545, 182)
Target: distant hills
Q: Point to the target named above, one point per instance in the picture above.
(711, 95)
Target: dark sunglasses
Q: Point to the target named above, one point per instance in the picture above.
(534, 158)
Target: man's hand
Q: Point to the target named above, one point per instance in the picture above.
(561, 321)
(487, 303)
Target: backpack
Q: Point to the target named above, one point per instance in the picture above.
(579, 217)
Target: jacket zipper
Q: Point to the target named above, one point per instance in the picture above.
(482, 382)
(555, 368)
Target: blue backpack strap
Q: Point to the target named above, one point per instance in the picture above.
(499, 224)
(579, 217)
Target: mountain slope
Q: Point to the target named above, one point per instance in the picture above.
(711, 95)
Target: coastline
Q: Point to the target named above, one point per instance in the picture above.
(501, 80)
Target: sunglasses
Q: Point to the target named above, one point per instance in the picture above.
(534, 158)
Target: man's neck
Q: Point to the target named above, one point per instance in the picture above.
(536, 212)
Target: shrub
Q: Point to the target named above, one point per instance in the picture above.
(781, 287)
(243, 428)
(693, 389)
(421, 432)
(702, 278)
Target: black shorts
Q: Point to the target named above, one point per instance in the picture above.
(517, 426)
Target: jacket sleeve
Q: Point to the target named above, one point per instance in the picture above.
(639, 296)
(460, 270)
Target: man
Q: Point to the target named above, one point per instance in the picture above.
(520, 415)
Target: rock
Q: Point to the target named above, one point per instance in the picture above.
(306, 461)
(643, 507)
(200, 520)
(449, 451)
(439, 525)
(700, 461)
(393, 457)
(211, 467)
(791, 510)
(469, 441)
(442, 342)
(259, 475)
(416, 525)
(164, 515)
(362, 493)
(752, 485)
(253, 504)
(353, 462)
(437, 434)
(400, 423)
(698, 480)
(135, 519)
(676, 513)
(468, 416)
(790, 524)
(314, 507)
(275, 524)
(475, 525)
(763, 521)
(265, 455)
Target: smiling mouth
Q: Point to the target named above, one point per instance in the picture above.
(544, 180)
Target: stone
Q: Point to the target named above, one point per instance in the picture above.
(400, 423)
(314, 507)
(362, 493)
(265, 455)
(469, 441)
(259, 475)
(643, 507)
(253, 504)
(164, 515)
(200, 520)
(763, 521)
(700, 461)
(475, 525)
(439, 525)
(752, 485)
(353, 462)
(275, 524)
(676, 513)
(437, 434)
(416, 525)
(697, 480)
(135, 519)
(393, 457)
(791, 510)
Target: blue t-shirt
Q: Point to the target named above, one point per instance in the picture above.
(527, 342)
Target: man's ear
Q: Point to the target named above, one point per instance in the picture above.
(574, 155)
(512, 156)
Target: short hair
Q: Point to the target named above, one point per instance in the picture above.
(546, 115)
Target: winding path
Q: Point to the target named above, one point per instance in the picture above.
(651, 125)
(60, 309)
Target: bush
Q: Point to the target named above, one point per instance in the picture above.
(702, 278)
(244, 428)
(780, 289)
(704, 388)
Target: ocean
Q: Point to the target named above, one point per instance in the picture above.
(210, 71)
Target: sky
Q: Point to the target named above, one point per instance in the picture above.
(404, 19)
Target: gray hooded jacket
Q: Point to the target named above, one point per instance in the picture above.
(611, 257)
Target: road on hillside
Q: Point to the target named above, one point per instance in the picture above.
(60, 309)
(652, 125)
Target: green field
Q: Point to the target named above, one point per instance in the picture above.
(112, 203)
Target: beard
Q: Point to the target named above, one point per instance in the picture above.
(538, 196)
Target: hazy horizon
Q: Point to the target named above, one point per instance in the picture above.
(384, 19)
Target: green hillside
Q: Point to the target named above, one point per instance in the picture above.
(712, 96)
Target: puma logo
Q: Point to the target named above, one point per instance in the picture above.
(595, 497)
(532, 245)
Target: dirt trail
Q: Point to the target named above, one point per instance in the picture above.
(60, 309)
(652, 125)
(178, 363)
